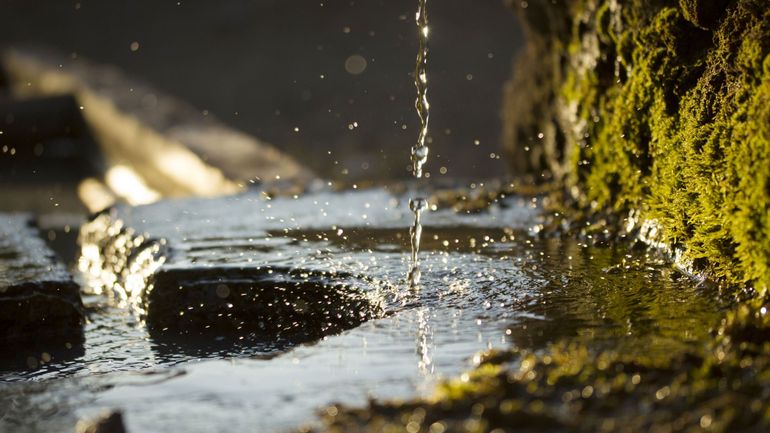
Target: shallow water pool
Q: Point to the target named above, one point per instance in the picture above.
(488, 281)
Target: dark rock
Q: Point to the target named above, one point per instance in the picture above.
(531, 139)
(271, 300)
(38, 298)
(35, 120)
(152, 133)
(45, 140)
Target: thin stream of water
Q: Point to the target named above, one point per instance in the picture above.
(419, 153)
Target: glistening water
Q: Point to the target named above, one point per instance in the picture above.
(488, 281)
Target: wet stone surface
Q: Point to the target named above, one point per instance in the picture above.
(38, 298)
(214, 266)
(487, 282)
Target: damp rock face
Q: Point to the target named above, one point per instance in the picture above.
(38, 298)
(656, 106)
(224, 264)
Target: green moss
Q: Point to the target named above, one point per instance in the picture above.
(703, 13)
(666, 117)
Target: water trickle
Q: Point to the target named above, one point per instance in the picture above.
(417, 205)
(419, 150)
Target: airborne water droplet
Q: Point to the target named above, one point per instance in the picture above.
(418, 204)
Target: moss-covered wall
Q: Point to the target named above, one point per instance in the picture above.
(661, 106)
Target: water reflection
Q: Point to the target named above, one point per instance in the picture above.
(22, 359)
(424, 342)
(617, 296)
(172, 347)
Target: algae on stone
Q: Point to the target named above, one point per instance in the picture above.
(660, 106)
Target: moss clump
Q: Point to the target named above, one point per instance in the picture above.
(662, 107)
(703, 13)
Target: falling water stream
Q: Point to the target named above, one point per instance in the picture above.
(420, 150)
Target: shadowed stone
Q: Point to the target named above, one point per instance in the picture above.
(37, 296)
(273, 301)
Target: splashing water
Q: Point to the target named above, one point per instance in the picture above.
(419, 150)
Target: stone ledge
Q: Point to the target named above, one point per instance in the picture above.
(176, 149)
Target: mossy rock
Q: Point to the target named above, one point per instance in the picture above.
(575, 387)
(661, 107)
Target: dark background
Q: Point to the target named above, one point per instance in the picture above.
(270, 66)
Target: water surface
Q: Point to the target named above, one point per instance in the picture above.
(487, 281)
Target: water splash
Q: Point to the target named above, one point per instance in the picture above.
(419, 150)
(418, 206)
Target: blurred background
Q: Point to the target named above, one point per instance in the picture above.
(327, 81)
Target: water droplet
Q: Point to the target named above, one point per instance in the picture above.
(355, 64)
(418, 204)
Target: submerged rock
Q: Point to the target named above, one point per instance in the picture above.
(271, 300)
(38, 298)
